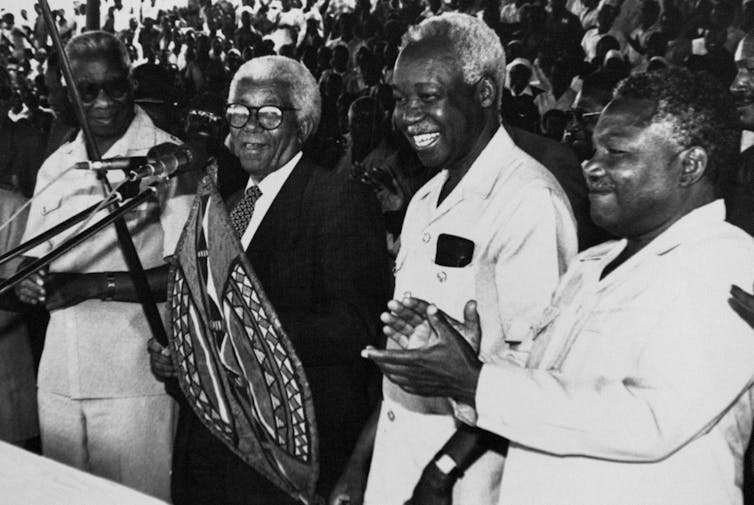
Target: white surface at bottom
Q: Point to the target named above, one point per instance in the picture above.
(29, 479)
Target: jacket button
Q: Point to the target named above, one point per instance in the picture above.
(425, 237)
(390, 415)
(441, 276)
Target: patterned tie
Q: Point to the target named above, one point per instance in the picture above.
(241, 213)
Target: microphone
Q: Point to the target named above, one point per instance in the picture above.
(162, 160)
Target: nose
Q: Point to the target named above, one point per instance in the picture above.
(592, 168)
(741, 81)
(410, 112)
(252, 125)
(102, 99)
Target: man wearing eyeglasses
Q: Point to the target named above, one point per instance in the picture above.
(596, 91)
(316, 245)
(100, 408)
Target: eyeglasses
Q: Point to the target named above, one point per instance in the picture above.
(115, 89)
(203, 116)
(581, 117)
(269, 117)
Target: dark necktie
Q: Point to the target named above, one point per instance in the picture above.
(241, 213)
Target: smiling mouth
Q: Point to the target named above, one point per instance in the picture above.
(599, 189)
(252, 146)
(425, 140)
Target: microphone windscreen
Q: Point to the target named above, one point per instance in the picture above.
(175, 156)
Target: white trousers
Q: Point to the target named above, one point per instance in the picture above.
(127, 440)
(406, 442)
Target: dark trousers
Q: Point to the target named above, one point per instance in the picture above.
(206, 472)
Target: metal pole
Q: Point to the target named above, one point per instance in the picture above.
(75, 240)
(58, 228)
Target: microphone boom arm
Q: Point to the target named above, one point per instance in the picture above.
(48, 234)
(75, 240)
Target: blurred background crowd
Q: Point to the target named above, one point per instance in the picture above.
(557, 51)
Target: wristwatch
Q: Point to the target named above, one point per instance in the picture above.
(445, 464)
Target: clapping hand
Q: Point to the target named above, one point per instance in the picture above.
(447, 365)
(407, 324)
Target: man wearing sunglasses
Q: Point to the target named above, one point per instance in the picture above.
(316, 245)
(100, 408)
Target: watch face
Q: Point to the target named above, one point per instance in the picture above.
(445, 463)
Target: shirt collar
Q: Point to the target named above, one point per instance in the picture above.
(687, 228)
(747, 139)
(272, 183)
(478, 180)
(139, 137)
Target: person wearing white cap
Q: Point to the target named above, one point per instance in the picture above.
(519, 96)
(606, 14)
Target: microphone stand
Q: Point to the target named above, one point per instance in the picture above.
(76, 239)
(124, 238)
(46, 235)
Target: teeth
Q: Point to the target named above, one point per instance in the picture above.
(425, 139)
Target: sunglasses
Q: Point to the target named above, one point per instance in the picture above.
(269, 117)
(115, 89)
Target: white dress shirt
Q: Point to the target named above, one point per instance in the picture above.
(639, 391)
(96, 349)
(524, 235)
(270, 187)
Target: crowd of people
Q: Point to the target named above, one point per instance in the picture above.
(564, 193)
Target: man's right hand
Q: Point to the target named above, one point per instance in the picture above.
(160, 361)
(31, 290)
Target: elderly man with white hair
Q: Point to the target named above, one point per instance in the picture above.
(315, 242)
(493, 225)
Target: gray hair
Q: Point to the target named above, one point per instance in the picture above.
(477, 47)
(98, 44)
(304, 93)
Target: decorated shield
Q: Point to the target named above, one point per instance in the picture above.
(236, 366)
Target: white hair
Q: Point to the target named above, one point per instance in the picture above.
(477, 47)
(98, 44)
(304, 93)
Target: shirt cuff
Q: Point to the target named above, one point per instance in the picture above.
(497, 393)
(463, 412)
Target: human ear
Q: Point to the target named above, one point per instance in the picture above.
(693, 165)
(305, 129)
(486, 92)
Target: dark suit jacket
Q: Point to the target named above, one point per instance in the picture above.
(320, 254)
(561, 161)
(739, 194)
